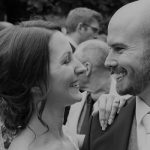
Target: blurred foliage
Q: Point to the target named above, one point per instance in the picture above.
(28, 8)
(62, 7)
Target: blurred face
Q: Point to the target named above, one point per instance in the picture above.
(91, 31)
(64, 71)
(84, 78)
(97, 82)
(96, 79)
(101, 79)
(129, 58)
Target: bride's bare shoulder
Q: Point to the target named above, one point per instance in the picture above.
(20, 143)
(18, 146)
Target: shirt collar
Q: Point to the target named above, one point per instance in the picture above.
(141, 109)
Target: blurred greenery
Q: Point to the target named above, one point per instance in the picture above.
(18, 10)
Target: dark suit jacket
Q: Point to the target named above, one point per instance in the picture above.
(116, 136)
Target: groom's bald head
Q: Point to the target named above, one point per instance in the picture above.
(133, 17)
(129, 55)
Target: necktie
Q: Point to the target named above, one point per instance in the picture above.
(88, 112)
(146, 124)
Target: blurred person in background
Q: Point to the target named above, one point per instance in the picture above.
(82, 24)
(96, 83)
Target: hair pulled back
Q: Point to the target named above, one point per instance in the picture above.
(24, 63)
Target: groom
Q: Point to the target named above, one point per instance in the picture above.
(129, 60)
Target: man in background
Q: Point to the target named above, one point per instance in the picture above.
(95, 82)
(82, 24)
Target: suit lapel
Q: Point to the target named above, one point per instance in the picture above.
(116, 137)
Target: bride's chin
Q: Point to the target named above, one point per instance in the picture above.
(75, 92)
(78, 97)
(75, 98)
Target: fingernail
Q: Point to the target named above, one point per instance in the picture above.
(118, 111)
(104, 127)
(93, 113)
(110, 121)
(102, 124)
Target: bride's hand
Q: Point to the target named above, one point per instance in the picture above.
(108, 106)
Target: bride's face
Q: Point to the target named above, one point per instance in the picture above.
(64, 71)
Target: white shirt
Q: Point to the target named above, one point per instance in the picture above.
(141, 110)
(72, 137)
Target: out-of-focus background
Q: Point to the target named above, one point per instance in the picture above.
(15, 11)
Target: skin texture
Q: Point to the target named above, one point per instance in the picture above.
(128, 38)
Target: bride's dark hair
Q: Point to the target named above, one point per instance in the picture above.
(24, 63)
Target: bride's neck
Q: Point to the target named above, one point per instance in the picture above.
(52, 117)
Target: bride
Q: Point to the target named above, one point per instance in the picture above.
(39, 77)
